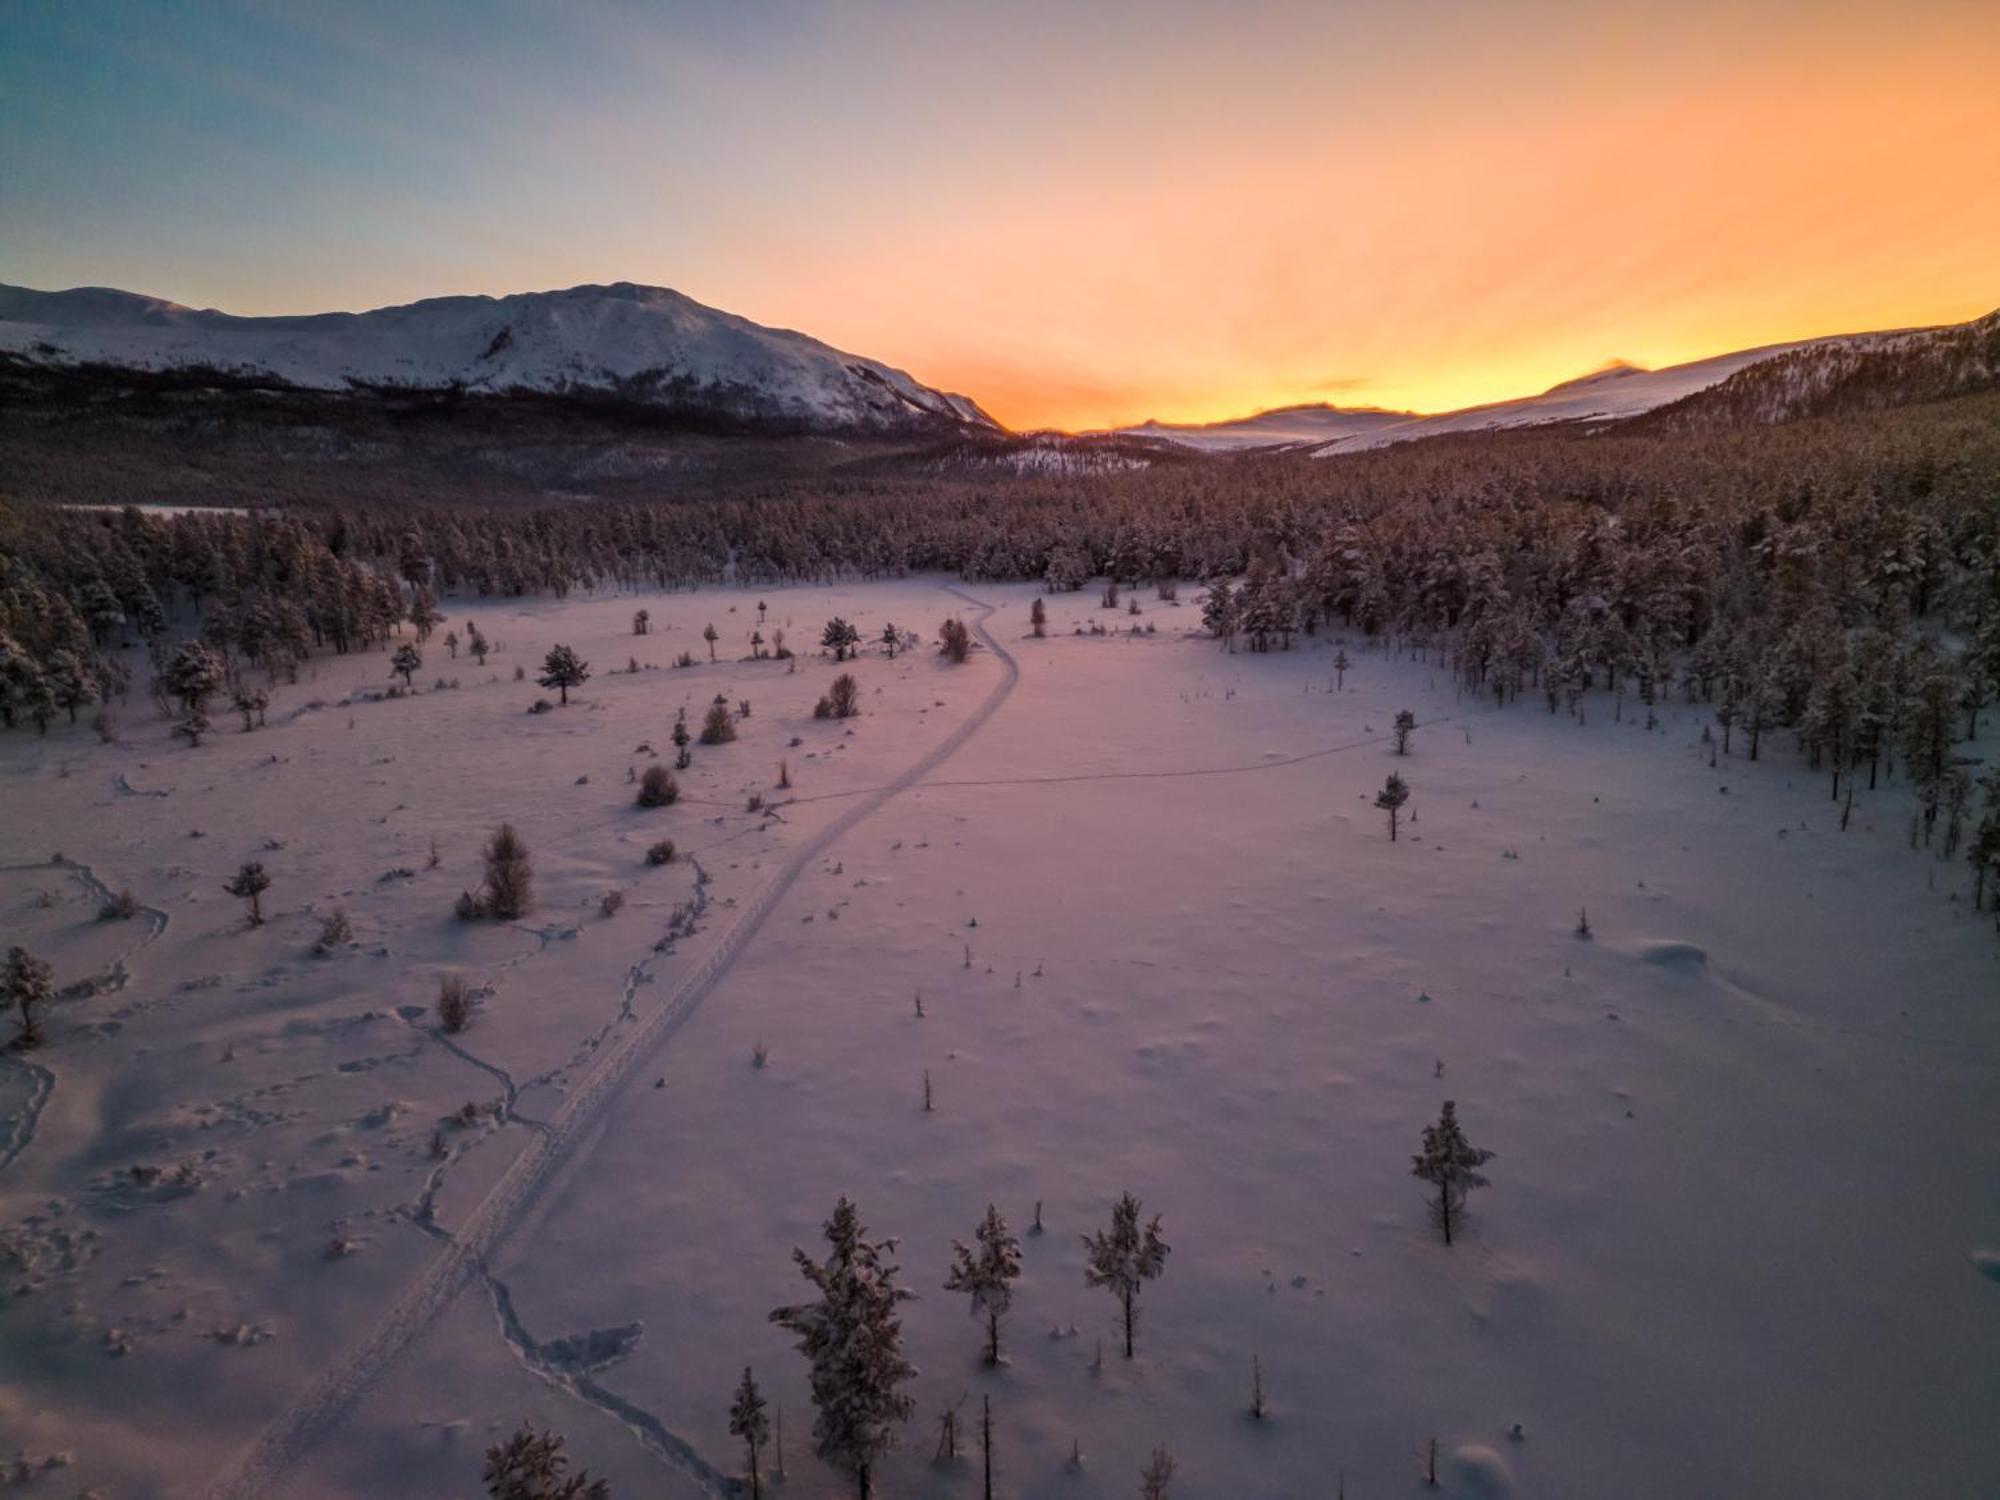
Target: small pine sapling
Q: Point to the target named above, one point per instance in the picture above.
(657, 788)
(406, 663)
(747, 1420)
(1155, 1477)
(250, 882)
(1395, 792)
(335, 931)
(1450, 1164)
(27, 983)
(718, 728)
(1406, 725)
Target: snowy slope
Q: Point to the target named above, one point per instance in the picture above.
(1612, 394)
(637, 343)
(1740, 1238)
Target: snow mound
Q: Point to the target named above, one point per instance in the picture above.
(1477, 1472)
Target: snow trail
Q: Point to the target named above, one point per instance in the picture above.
(294, 1432)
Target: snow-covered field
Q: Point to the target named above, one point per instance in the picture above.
(1741, 1235)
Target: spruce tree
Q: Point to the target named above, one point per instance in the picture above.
(1125, 1258)
(1450, 1164)
(748, 1421)
(27, 983)
(853, 1338)
(987, 1275)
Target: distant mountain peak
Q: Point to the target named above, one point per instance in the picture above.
(646, 346)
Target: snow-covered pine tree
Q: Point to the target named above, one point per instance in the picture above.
(1125, 1258)
(747, 1420)
(1450, 1164)
(987, 1275)
(532, 1466)
(853, 1338)
(191, 673)
(1220, 613)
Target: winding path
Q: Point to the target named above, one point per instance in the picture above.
(293, 1433)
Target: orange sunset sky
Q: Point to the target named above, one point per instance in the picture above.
(1079, 215)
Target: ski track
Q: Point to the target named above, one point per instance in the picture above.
(293, 1433)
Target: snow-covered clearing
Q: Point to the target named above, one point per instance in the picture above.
(1740, 1238)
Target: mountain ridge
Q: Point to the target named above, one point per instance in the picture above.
(649, 346)
(1622, 390)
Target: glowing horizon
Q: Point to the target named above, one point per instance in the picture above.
(1079, 217)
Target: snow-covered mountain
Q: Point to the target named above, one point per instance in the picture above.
(1287, 426)
(636, 344)
(1617, 392)
(1842, 375)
